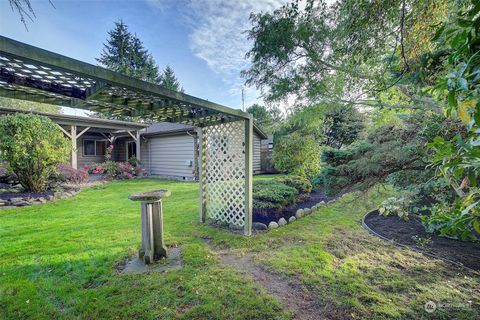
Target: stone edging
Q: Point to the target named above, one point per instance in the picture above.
(298, 215)
(15, 202)
(402, 245)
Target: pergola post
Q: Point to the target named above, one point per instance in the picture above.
(137, 145)
(136, 138)
(73, 138)
(248, 175)
(200, 169)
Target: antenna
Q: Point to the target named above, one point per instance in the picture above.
(243, 100)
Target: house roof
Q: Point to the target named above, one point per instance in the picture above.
(31, 73)
(167, 127)
(159, 128)
(64, 119)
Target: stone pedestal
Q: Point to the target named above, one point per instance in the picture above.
(153, 247)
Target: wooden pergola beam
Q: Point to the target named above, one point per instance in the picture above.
(36, 56)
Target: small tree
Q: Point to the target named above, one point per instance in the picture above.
(32, 146)
(297, 154)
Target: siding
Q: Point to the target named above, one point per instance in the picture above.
(257, 163)
(168, 156)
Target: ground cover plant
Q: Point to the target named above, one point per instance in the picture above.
(61, 262)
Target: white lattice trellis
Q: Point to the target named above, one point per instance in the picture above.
(223, 172)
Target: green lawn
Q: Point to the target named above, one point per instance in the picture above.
(58, 261)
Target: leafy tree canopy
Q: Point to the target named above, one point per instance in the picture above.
(267, 118)
(331, 125)
(348, 52)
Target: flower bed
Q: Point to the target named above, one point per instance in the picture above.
(281, 201)
(115, 170)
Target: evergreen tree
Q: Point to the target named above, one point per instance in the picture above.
(124, 52)
(169, 80)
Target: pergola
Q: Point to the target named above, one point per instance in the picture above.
(34, 74)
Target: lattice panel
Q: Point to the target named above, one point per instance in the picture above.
(223, 166)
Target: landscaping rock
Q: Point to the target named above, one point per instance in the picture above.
(307, 211)
(272, 225)
(259, 226)
(41, 200)
(321, 203)
(282, 222)
(291, 219)
(299, 214)
(232, 226)
(50, 198)
(20, 203)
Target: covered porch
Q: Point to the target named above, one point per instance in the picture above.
(90, 137)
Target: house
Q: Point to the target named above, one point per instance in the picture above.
(167, 150)
(170, 150)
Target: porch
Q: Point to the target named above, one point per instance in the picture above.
(90, 137)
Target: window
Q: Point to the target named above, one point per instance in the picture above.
(131, 149)
(94, 147)
(100, 148)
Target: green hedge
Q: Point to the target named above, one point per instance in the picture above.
(272, 195)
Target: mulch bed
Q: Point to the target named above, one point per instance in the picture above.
(403, 232)
(265, 216)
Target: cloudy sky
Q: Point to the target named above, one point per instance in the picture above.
(203, 40)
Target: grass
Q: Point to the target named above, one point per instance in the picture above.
(58, 261)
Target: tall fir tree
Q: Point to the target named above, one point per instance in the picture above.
(169, 80)
(124, 52)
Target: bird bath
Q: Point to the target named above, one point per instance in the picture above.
(153, 247)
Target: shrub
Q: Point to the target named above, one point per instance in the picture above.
(134, 161)
(396, 206)
(109, 168)
(94, 168)
(108, 153)
(272, 195)
(302, 184)
(458, 219)
(66, 173)
(297, 154)
(32, 146)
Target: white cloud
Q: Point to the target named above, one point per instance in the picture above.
(218, 35)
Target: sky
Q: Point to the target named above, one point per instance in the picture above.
(202, 40)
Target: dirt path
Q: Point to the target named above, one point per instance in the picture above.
(289, 291)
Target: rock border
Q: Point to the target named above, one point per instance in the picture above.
(15, 202)
(68, 192)
(301, 213)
